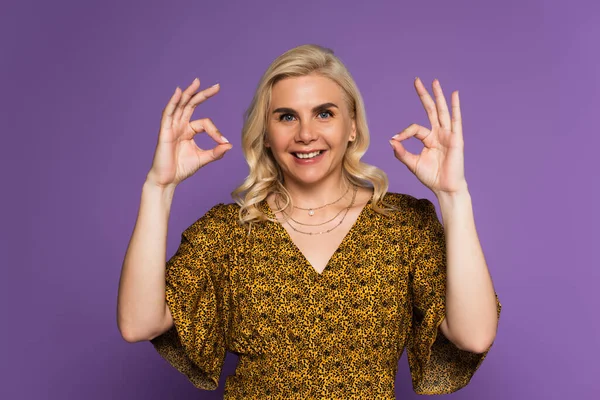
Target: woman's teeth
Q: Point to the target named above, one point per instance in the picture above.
(308, 155)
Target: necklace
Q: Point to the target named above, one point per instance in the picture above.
(322, 223)
(311, 211)
(338, 224)
(288, 216)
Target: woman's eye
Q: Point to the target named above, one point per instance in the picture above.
(286, 117)
(325, 114)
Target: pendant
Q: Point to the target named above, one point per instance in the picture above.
(311, 212)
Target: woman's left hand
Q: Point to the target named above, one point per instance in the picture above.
(440, 166)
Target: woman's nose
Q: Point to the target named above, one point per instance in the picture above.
(306, 133)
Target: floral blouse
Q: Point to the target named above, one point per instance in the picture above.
(304, 335)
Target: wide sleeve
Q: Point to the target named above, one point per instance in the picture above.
(197, 296)
(437, 366)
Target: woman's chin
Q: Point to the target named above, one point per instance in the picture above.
(308, 177)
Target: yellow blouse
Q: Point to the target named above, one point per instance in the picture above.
(304, 335)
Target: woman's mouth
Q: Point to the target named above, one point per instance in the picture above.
(305, 156)
(308, 158)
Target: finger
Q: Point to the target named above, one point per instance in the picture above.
(197, 99)
(185, 97)
(216, 153)
(456, 115)
(427, 102)
(167, 114)
(418, 131)
(407, 158)
(206, 125)
(442, 106)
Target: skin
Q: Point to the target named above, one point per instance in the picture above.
(440, 166)
(297, 122)
(310, 113)
(177, 157)
(471, 316)
(142, 312)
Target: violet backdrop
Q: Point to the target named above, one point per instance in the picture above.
(83, 87)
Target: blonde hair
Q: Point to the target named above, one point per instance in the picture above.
(265, 176)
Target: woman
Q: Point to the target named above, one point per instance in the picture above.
(316, 277)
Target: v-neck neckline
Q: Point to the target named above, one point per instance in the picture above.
(286, 235)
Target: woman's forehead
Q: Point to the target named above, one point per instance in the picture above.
(305, 92)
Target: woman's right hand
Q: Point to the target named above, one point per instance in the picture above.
(177, 156)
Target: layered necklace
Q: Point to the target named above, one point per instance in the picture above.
(311, 213)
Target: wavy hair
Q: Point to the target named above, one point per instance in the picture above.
(265, 176)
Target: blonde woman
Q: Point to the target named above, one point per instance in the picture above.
(316, 277)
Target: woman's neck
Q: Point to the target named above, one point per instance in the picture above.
(317, 194)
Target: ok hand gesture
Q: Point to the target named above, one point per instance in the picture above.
(440, 166)
(177, 156)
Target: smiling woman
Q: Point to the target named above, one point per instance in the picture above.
(316, 277)
(305, 102)
(307, 141)
(321, 111)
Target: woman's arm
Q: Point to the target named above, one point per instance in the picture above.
(142, 312)
(471, 315)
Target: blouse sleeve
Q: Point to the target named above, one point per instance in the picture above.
(436, 365)
(196, 294)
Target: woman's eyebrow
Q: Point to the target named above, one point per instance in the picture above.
(314, 109)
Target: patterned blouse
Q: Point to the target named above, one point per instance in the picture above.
(304, 335)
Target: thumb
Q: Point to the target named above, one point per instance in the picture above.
(407, 158)
(220, 150)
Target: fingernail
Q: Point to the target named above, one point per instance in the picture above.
(392, 144)
(396, 136)
(216, 84)
(196, 79)
(224, 139)
(416, 77)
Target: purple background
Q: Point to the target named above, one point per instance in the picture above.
(83, 87)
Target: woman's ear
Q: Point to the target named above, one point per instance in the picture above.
(353, 134)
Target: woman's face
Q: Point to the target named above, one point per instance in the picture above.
(309, 127)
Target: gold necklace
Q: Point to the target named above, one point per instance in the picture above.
(338, 224)
(311, 211)
(322, 223)
(288, 216)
